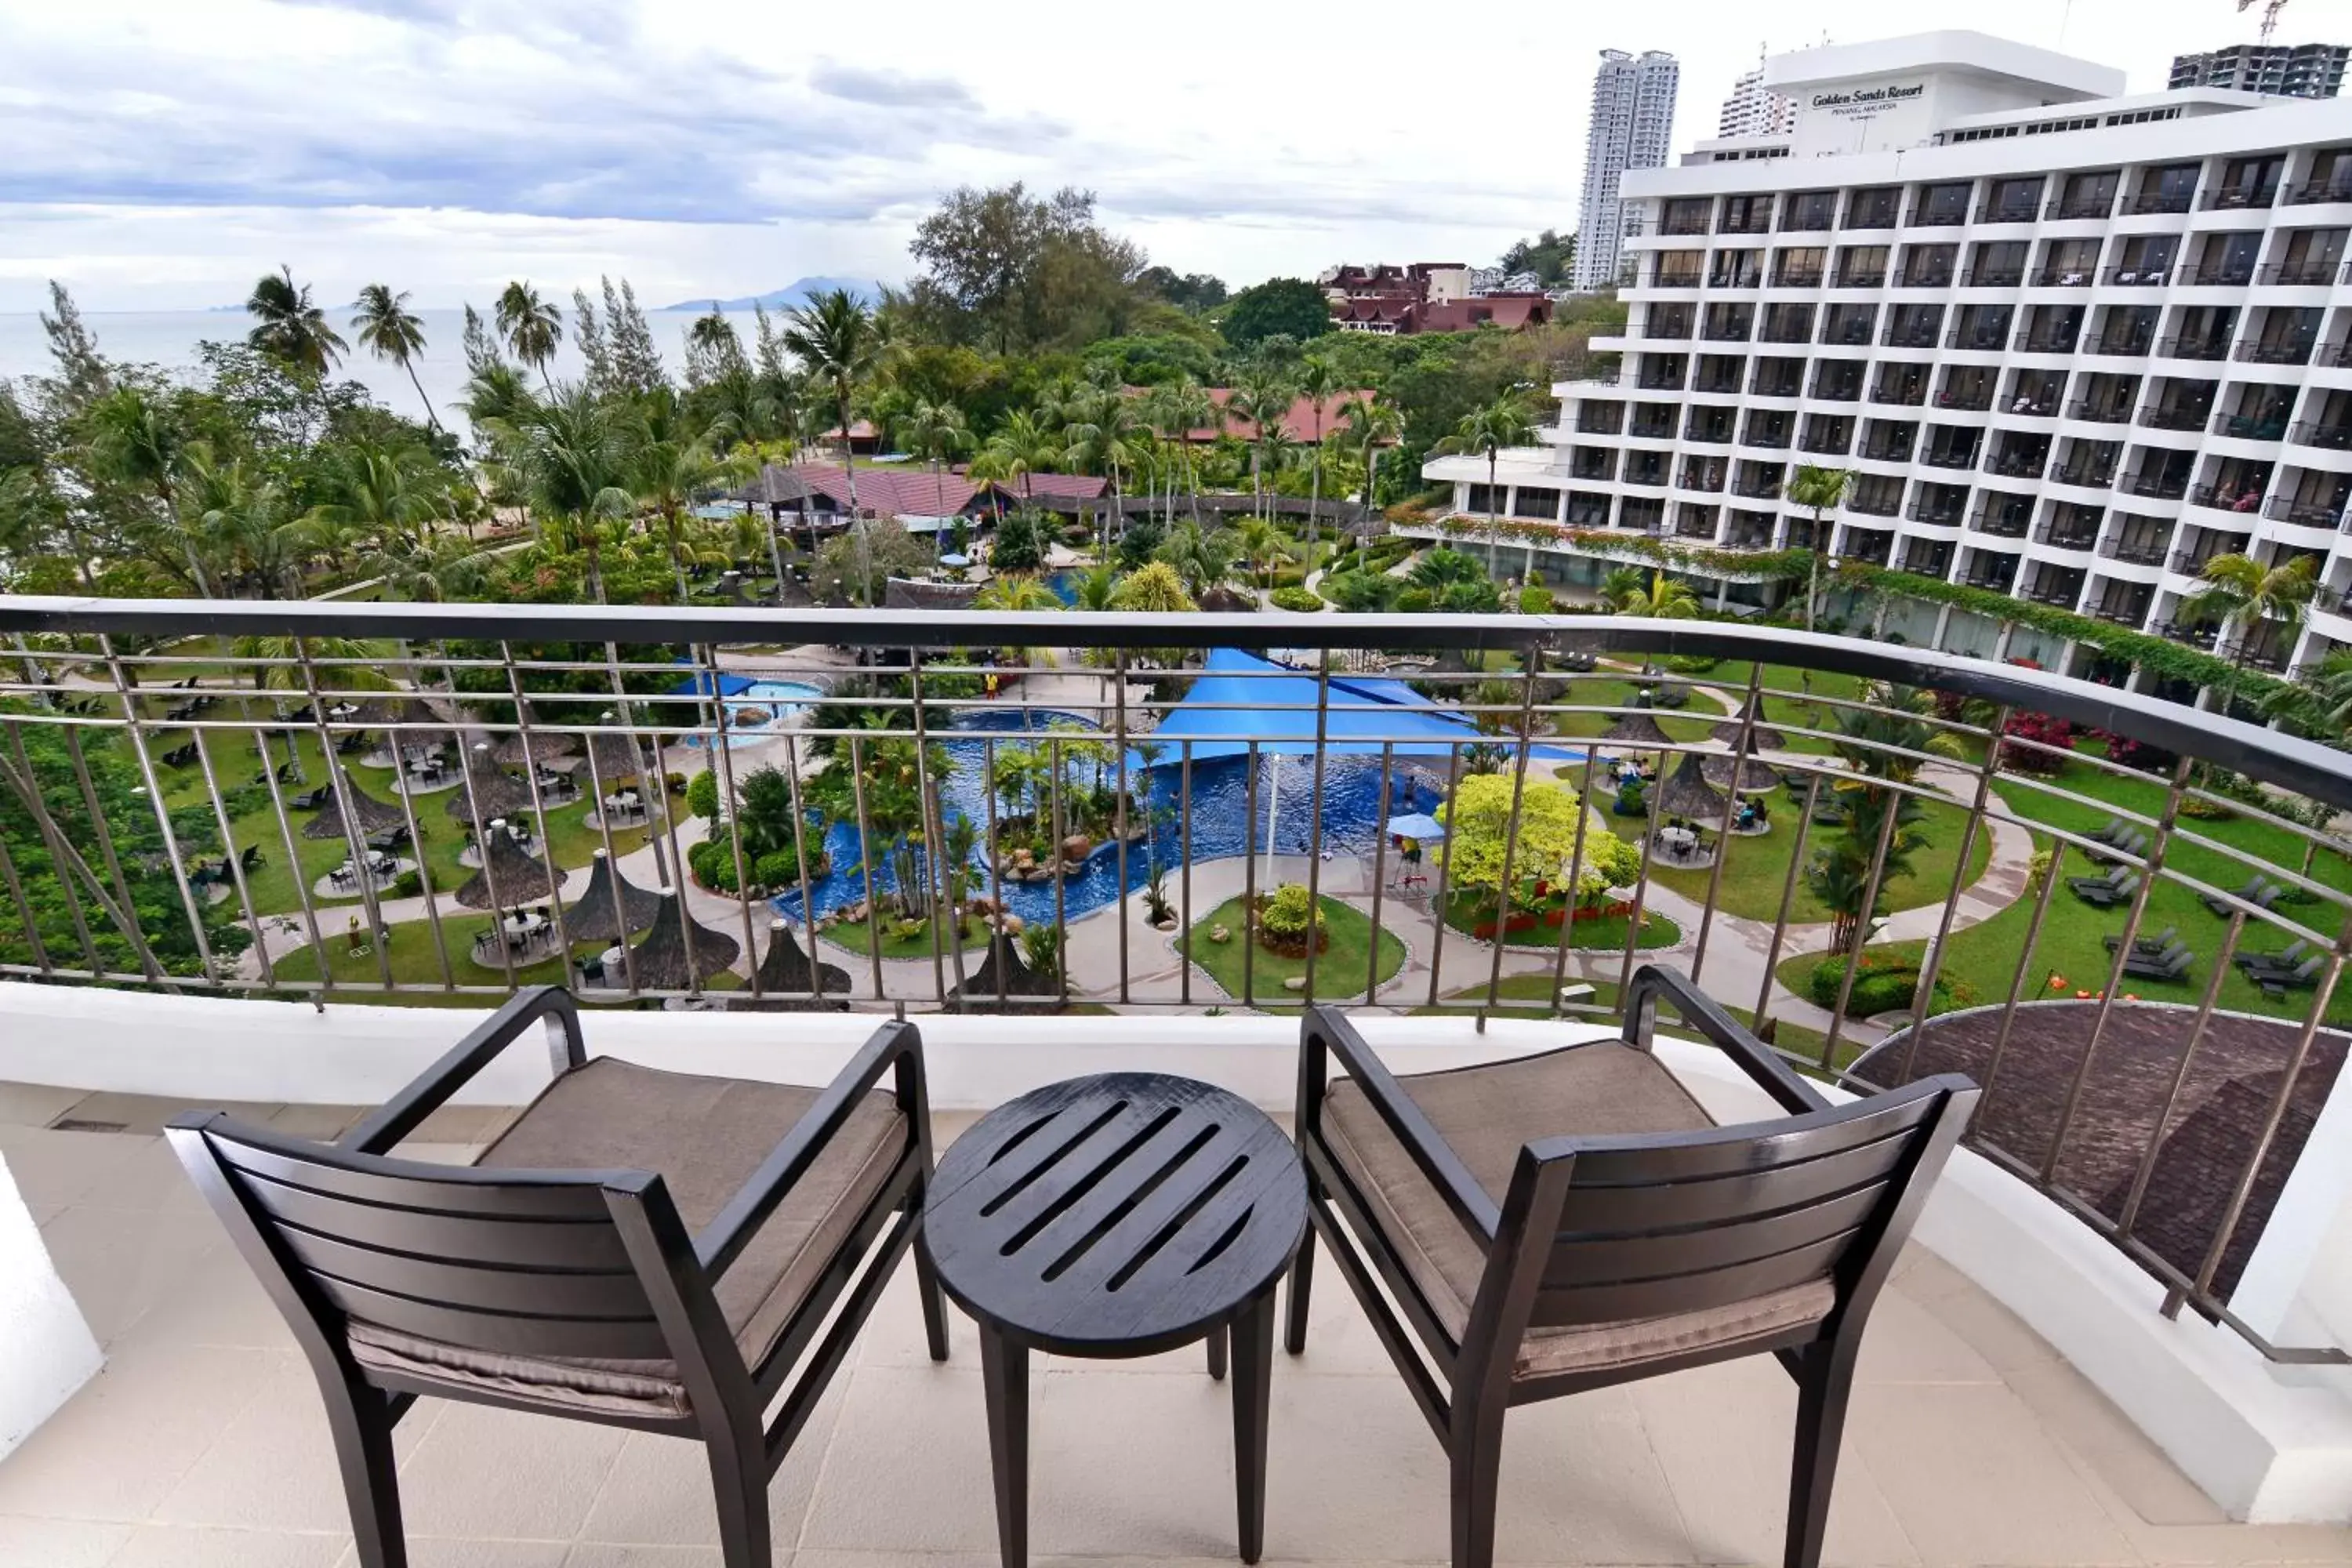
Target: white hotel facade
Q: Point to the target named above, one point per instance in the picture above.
(2070, 343)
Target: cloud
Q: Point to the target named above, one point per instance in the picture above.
(891, 89)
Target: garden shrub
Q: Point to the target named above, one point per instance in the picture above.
(777, 870)
(1287, 917)
(1690, 663)
(1303, 600)
(2041, 728)
(1413, 602)
(1882, 987)
(1535, 599)
(408, 885)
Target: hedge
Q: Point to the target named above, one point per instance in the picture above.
(1880, 988)
(1304, 600)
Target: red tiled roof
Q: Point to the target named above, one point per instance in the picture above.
(912, 491)
(1508, 311)
(1298, 424)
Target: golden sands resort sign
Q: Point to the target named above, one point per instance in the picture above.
(1866, 101)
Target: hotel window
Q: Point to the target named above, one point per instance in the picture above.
(2088, 196)
(1686, 214)
(1942, 204)
(2012, 201)
(1875, 207)
(1996, 264)
(2170, 189)
(1861, 266)
(1808, 211)
(1746, 215)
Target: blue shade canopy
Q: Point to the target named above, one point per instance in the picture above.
(700, 684)
(1416, 825)
(1241, 698)
(955, 559)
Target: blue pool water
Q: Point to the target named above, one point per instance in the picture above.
(1352, 819)
(779, 699)
(1064, 586)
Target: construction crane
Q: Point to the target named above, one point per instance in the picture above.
(2271, 10)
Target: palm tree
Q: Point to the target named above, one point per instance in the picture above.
(1016, 591)
(667, 470)
(1318, 383)
(833, 335)
(133, 441)
(1262, 544)
(572, 453)
(1102, 439)
(1372, 423)
(2240, 595)
(1203, 559)
(1096, 589)
(1822, 491)
(289, 328)
(1021, 446)
(390, 331)
(1262, 400)
(1505, 422)
(532, 327)
(1661, 598)
(938, 431)
(1153, 588)
(384, 494)
(2322, 701)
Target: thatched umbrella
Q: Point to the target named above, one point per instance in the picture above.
(491, 791)
(613, 908)
(1637, 729)
(617, 756)
(1764, 738)
(521, 879)
(1688, 795)
(369, 815)
(786, 973)
(660, 963)
(1025, 988)
(547, 751)
(1754, 779)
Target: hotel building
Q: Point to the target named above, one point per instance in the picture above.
(1633, 127)
(2071, 344)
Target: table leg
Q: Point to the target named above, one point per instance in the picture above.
(1217, 1353)
(1004, 1377)
(1252, 1332)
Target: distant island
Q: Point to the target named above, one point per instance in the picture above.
(799, 291)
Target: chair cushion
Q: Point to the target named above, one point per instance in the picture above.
(1486, 1114)
(704, 1136)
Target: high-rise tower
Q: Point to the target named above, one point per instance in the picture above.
(1632, 127)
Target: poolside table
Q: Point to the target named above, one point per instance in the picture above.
(1113, 1216)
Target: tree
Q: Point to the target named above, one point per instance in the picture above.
(1371, 423)
(1012, 271)
(1318, 383)
(1262, 544)
(667, 468)
(1153, 588)
(532, 327)
(1191, 292)
(938, 431)
(833, 335)
(83, 377)
(636, 363)
(1016, 591)
(2242, 595)
(1262, 400)
(714, 352)
(1503, 422)
(1205, 559)
(1549, 255)
(135, 441)
(1288, 307)
(1551, 820)
(574, 453)
(854, 568)
(1821, 490)
(1019, 544)
(390, 331)
(289, 328)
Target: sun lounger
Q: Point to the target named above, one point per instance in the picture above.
(2156, 943)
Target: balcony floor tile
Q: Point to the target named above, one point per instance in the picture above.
(1971, 1442)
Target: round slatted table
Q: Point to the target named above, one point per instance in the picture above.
(1110, 1217)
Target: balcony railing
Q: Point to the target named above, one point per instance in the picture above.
(2303, 513)
(1965, 400)
(2158, 486)
(2136, 553)
(2122, 345)
(2026, 465)
(1798, 278)
(2238, 198)
(2299, 274)
(1777, 385)
(1900, 395)
(2013, 211)
(1734, 331)
(2068, 536)
(1978, 339)
(1949, 456)
(1861, 277)
(1935, 218)
(1735, 280)
(1826, 442)
(1926, 278)
(2205, 348)
(2251, 427)
(2139, 276)
(1992, 276)
(1838, 392)
(2086, 476)
(1670, 329)
(2058, 342)
(1817, 218)
(1757, 489)
(2120, 613)
(1677, 278)
(2148, 203)
(2220, 277)
(2001, 523)
(1785, 332)
(2310, 433)
(1845, 334)
(2291, 351)
(1776, 440)
(2232, 498)
(2074, 208)
(155, 845)
(2065, 277)
(2105, 412)
(2181, 417)
(2314, 190)
(1684, 223)
(1716, 383)
(1941, 514)
(1875, 503)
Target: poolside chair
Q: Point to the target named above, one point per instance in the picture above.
(2257, 965)
(2104, 880)
(2108, 833)
(2156, 943)
(2172, 964)
(1573, 1219)
(2251, 893)
(2106, 895)
(2276, 983)
(642, 1248)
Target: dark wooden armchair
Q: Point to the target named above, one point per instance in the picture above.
(1573, 1219)
(644, 1249)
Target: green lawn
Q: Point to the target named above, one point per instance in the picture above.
(1535, 995)
(1983, 959)
(1691, 723)
(1465, 912)
(413, 960)
(1339, 968)
(855, 936)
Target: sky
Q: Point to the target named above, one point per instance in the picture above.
(162, 154)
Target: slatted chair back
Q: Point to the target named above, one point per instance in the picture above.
(1652, 1226)
(532, 1263)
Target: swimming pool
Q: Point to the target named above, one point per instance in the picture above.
(760, 706)
(1221, 824)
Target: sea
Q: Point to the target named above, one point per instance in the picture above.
(169, 337)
